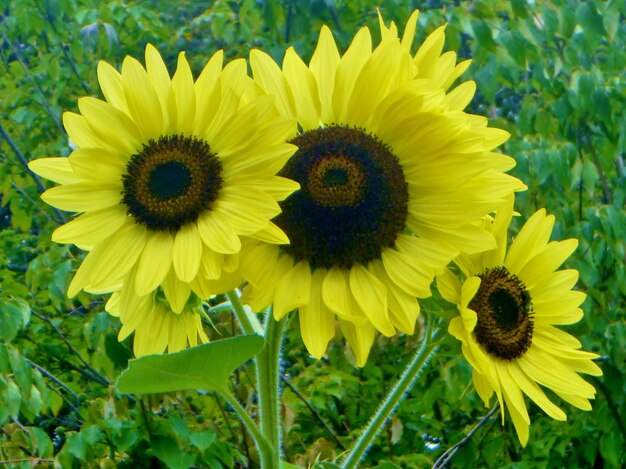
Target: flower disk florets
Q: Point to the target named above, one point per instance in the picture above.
(504, 310)
(352, 202)
(171, 181)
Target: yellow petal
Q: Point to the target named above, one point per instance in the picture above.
(82, 196)
(323, 65)
(110, 260)
(143, 102)
(336, 293)
(110, 124)
(371, 296)
(176, 291)
(304, 88)
(532, 238)
(270, 77)
(185, 95)
(530, 388)
(92, 227)
(347, 72)
(56, 169)
(360, 339)
(155, 262)
(217, 234)
(317, 324)
(111, 84)
(187, 252)
(293, 290)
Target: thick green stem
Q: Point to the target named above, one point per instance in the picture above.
(414, 369)
(268, 373)
(265, 450)
(248, 320)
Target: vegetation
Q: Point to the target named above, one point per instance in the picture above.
(552, 73)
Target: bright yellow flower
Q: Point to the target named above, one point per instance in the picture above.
(394, 177)
(168, 173)
(509, 304)
(157, 327)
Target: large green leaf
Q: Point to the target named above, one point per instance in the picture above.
(206, 366)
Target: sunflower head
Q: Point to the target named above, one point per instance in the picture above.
(168, 174)
(509, 304)
(394, 180)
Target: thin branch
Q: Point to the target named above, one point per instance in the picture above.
(97, 376)
(44, 102)
(27, 197)
(49, 375)
(33, 461)
(64, 48)
(606, 190)
(24, 162)
(446, 457)
(314, 412)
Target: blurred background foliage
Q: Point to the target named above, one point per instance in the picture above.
(550, 72)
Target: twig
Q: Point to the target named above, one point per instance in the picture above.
(64, 48)
(314, 412)
(33, 461)
(446, 457)
(44, 102)
(98, 377)
(49, 375)
(606, 191)
(27, 197)
(24, 162)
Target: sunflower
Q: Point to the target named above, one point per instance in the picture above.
(509, 304)
(157, 327)
(168, 173)
(394, 177)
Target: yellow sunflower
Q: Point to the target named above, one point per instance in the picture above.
(157, 327)
(168, 173)
(509, 304)
(394, 177)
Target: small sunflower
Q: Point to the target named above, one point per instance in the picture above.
(168, 173)
(157, 327)
(509, 304)
(394, 177)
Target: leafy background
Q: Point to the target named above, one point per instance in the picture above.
(550, 72)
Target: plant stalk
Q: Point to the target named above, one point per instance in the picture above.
(414, 369)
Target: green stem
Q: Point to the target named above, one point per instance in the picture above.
(261, 442)
(414, 369)
(248, 320)
(268, 373)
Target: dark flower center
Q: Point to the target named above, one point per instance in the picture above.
(171, 181)
(504, 309)
(353, 200)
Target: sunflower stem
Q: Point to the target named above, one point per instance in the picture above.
(268, 373)
(414, 369)
(247, 319)
(265, 450)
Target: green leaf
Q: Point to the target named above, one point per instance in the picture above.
(611, 447)
(286, 465)
(206, 366)
(589, 18)
(168, 451)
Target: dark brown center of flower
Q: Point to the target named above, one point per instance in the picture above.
(171, 181)
(353, 200)
(504, 310)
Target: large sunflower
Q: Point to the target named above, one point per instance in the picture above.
(394, 177)
(168, 174)
(509, 304)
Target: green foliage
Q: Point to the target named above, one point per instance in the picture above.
(551, 73)
(207, 366)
